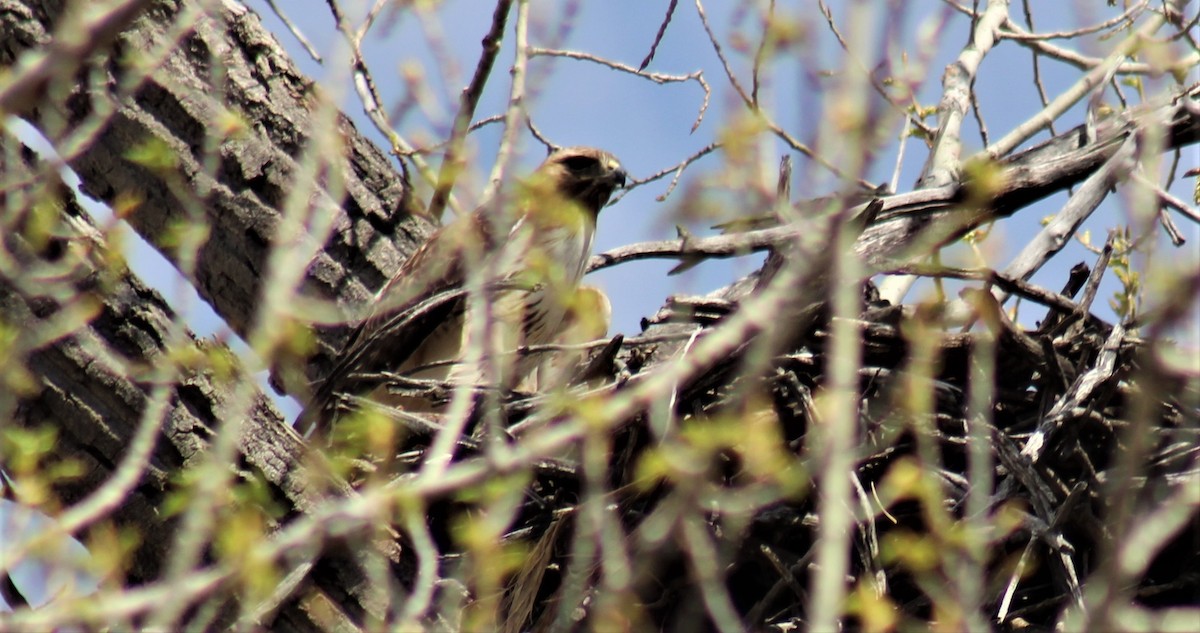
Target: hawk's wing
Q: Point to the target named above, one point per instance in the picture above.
(423, 294)
(567, 191)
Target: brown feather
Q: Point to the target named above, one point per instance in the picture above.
(415, 316)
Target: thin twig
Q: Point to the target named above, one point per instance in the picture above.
(1115, 23)
(678, 169)
(451, 162)
(1024, 289)
(760, 53)
(1013, 31)
(537, 134)
(368, 94)
(716, 44)
(911, 116)
(296, 32)
(762, 114)
(516, 105)
(662, 30)
(1037, 66)
(1069, 97)
(1166, 198)
(658, 78)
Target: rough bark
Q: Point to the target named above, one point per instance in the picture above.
(180, 104)
(87, 389)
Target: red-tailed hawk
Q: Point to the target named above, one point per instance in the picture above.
(420, 323)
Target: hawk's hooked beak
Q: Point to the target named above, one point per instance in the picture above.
(614, 173)
(619, 176)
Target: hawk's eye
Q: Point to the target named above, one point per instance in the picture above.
(579, 164)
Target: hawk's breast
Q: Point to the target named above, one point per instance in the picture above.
(568, 250)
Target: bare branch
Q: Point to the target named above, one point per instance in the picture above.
(452, 163)
(943, 163)
(1058, 232)
(1072, 95)
(295, 31)
(516, 104)
(658, 78)
(662, 30)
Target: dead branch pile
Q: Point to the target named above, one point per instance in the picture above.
(1101, 422)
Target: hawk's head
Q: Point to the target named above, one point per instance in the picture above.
(584, 174)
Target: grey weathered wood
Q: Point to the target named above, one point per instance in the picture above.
(179, 105)
(1026, 177)
(85, 384)
(86, 388)
(1029, 176)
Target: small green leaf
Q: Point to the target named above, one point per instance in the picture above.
(154, 154)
